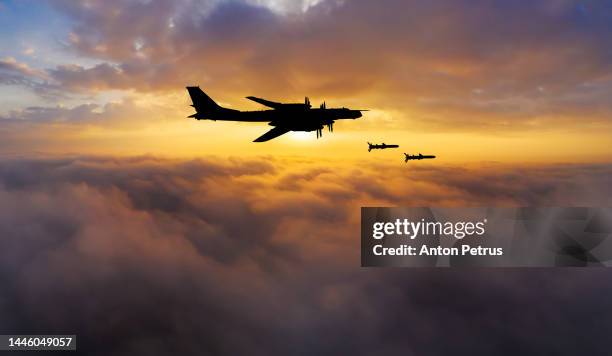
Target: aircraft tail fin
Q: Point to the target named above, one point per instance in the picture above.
(202, 102)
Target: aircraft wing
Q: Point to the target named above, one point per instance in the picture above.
(274, 133)
(265, 102)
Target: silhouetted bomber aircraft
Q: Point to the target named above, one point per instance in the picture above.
(373, 146)
(418, 157)
(284, 117)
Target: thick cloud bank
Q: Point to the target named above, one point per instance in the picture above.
(260, 257)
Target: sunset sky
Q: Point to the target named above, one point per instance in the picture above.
(145, 232)
(468, 81)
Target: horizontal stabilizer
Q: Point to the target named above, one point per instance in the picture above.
(274, 133)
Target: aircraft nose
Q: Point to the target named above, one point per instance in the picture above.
(358, 114)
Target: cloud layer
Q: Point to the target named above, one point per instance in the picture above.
(151, 256)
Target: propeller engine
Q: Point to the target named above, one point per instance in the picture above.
(330, 127)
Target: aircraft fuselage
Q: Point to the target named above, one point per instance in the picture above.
(295, 120)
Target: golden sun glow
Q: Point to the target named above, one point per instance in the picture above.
(302, 136)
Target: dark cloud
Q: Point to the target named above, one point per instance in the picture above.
(154, 256)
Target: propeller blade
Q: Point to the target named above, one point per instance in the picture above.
(319, 133)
